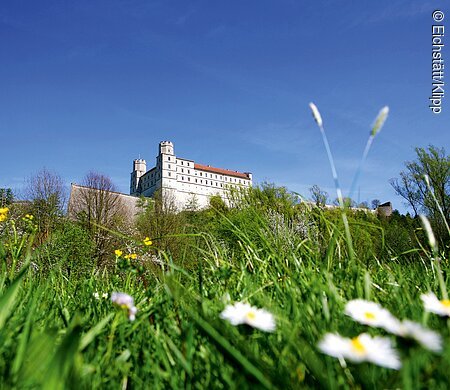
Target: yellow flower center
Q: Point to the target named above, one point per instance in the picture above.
(446, 303)
(251, 315)
(357, 346)
(369, 316)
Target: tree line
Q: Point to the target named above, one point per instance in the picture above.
(100, 224)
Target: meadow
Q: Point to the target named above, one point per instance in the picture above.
(60, 329)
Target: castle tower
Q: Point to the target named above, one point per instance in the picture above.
(139, 169)
(166, 147)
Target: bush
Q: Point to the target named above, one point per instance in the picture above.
(70, 248)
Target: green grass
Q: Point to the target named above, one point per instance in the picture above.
(55, 334)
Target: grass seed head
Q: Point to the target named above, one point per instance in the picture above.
(379, 121)
(316, 114)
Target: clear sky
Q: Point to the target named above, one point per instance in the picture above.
(92, 84)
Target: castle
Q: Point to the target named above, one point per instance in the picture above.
(183, 180)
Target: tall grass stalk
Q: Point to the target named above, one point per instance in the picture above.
(318, 119)
(376, 128)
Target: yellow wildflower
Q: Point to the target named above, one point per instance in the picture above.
(147, 241)
(133, 256)
(3, 213)
(118, 252)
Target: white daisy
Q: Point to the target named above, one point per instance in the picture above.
(427, 338)
(105, 295)
(243, 313)
(364, 348)
(432, 304)
(96, 295)
(125, 301)
(372, 314)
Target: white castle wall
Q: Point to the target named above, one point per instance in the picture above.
(183, 179)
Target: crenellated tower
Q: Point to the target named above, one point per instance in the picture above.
(166, 147)
(139, 169)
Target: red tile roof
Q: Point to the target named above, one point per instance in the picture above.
(222, 171)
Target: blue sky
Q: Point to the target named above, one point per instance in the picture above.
(91, 85)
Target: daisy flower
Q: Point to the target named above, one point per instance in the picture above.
(372, 314)
(126, 302)
(364, 348)
(432, 304)
(427, 338)
(243, 313)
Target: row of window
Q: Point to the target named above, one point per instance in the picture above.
(149, 185)
(200, 181)
(188, 164)
(217, 177)
(152, 175)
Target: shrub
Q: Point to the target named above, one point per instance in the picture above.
(70, 248)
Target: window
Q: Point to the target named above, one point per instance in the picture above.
(182, 170)
(196, 180)
(181, 162)
(168, 158)
(189, 179)
(200, 174)
(169, 174)
(168, 166)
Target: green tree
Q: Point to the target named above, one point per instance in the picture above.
(6, 197)
(161, 221)
(425, 186)
(70, 248)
